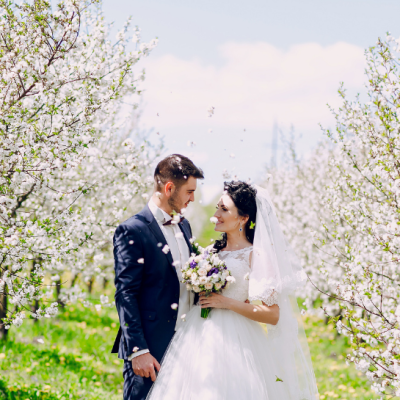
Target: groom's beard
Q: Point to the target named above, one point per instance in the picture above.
(173, 202)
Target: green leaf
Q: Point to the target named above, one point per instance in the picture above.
(278, 379)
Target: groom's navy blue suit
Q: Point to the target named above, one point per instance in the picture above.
(146, 286)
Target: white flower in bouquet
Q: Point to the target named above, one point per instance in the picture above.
(202, 272)
(205, 272)
(202, 263)
(194, 276)
(188, 274)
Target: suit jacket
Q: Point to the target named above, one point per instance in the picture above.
(146, 286)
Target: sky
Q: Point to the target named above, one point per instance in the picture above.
(259, 63)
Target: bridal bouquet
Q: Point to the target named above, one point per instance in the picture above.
(205, 272)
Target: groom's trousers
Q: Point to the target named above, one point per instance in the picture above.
(135, 387)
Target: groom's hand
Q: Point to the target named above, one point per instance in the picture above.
(144, 366)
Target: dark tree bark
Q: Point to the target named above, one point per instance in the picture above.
(3, 314)
(90, 285)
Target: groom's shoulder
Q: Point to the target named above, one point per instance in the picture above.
(137, 223)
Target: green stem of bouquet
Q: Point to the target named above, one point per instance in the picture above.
(205, 312)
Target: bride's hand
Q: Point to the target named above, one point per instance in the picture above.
(214, 300)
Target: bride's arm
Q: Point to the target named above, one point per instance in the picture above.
(259, 313)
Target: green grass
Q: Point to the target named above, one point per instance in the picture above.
(335, 379)
(75, 361)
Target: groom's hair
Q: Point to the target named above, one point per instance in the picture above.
(177, 169)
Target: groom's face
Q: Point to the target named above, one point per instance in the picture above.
(182, 196)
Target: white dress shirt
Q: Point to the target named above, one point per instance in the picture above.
(180, 254)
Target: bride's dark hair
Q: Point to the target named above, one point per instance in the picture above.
(243, 196)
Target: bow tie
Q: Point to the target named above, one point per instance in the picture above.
(170, 221)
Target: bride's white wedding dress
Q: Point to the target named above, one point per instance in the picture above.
(224, 357)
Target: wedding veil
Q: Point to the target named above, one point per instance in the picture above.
(276, 271)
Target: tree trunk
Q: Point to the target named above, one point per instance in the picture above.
(3, 314)
(58, 291)
(90, 285)
(73, 280)
(35, 307)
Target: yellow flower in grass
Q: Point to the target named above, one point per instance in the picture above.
(46, 388)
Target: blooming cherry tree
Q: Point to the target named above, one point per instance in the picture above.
(297, 192)
(118, 167)
(61, 80)
(357, 243)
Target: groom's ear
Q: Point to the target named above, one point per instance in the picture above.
(169, 188)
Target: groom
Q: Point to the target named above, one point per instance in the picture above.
(149, 249)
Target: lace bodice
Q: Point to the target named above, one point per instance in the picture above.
(238, 262)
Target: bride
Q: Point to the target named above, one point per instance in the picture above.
(230, 355)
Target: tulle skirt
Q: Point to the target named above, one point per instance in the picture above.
(224, 357)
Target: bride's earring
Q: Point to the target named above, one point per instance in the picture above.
(240, 229)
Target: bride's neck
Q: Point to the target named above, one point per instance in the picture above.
(236, 240)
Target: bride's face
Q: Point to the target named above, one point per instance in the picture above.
(227, 215)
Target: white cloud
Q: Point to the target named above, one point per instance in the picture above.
(250, 86)
(255, 84)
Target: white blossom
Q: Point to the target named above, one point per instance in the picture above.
(340, 209)
(71, 161)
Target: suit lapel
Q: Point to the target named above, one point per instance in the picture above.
(156, 231)
(193, 297)
(186, 236)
